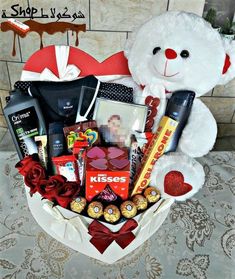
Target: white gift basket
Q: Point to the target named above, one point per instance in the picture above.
(73, 229)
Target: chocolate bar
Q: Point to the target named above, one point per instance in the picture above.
(154, 151)
(19, 26)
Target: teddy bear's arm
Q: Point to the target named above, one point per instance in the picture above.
(200, 132)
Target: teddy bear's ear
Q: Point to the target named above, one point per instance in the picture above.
(228, 71)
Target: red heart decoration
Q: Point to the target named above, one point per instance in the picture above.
(174, 184)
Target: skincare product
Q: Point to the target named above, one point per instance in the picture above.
(56, 139)
(25, 121)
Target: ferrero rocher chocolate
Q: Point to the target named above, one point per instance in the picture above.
(152, 194)
(78, 204)
(128, 209)
(112, 213)
(140, 202)
(95, 209)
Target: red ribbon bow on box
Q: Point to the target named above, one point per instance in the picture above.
(65, 63)
(102, 236)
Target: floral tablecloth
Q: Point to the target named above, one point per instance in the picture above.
(197, 239)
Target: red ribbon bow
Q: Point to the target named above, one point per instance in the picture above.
(102, 236)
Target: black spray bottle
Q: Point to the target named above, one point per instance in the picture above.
(57, 144)
(25, 121)
(179, 108)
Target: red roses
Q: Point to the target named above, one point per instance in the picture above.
(56, 188)
(32, 171)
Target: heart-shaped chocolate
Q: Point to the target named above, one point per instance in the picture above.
(95, 152)
(174, 184)
(119, 163)
(114, 152)
(100, 164)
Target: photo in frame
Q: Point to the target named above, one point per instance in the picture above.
(117, 120)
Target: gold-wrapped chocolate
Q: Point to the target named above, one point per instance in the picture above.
(152, 194)
(112, 213)
(78, 204)
(95, 209)
(128, 209)
(140, 202)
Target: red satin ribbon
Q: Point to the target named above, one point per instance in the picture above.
(102, 236)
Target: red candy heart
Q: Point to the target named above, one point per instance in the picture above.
(119, 163)
(95, 152)
(114, 152)
(99, 164)
(174, 184)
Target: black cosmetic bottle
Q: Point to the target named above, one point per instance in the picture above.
(179, 108)
(56, 143)
(56, 139)
(25, 121)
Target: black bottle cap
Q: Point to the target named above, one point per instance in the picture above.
(182, 97)
(56, 128)
(17, 96)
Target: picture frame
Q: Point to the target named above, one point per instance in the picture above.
(118, 120)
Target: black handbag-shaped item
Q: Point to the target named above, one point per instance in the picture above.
(59, 101)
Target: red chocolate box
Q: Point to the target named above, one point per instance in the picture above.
(107, 166)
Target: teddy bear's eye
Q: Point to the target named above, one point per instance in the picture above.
(184, 53)
(155, 50)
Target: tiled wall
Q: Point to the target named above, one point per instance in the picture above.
(108, 25)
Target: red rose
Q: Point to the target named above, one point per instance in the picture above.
(49, 188)
(32, 171)
(67, 192)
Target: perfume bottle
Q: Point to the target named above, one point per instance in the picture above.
(179, 108)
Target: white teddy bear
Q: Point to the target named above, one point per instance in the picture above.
(177, 51)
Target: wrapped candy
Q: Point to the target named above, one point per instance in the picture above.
(78, 204)
(95, 210)
(152, 194)
(128, 209)
(140, 202)
(107, 195)
(111, 213)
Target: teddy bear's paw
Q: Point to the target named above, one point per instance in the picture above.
(177, 176)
